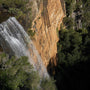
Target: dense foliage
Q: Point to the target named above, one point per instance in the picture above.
(77, 10)
(73, 46)
(17, 8)
(73, 60)
(86, 13)
(18, 74)
(72, 71)
(14, 7)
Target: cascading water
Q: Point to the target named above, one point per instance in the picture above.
(14, 39)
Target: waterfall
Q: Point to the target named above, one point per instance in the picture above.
(15, 41)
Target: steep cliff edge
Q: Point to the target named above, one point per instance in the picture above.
(49, 16)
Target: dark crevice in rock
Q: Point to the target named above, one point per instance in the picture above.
(52, 65)
(45, 13)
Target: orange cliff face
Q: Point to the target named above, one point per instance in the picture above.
(47, 19)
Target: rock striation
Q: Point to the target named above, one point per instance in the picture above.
(48, 15)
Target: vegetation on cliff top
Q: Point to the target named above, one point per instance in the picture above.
(21, 9)
(18, 9)
(15, 8)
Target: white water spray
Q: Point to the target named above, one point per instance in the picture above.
(14, 39)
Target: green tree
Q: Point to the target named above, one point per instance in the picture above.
(73, 52)
(68, 22)
(18, 9)
(86, 14)
(48, 84)
(16, 74)
(71, 46)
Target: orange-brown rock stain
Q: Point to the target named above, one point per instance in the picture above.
(49, 18)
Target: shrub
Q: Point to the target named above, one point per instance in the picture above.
(16, 74)
(48, 84)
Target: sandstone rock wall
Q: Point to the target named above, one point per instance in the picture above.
(48, 16)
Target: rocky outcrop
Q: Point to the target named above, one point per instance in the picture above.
(48, 15)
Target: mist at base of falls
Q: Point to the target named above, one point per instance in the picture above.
(14, 39)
